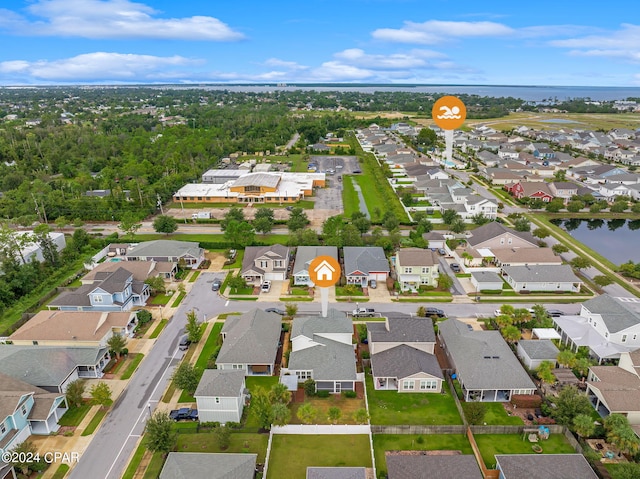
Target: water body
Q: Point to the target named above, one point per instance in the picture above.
(616, 240)
(528, 93)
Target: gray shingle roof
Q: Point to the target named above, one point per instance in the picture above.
(403, 361)
(364, 259)
(616, 315)
(252, 338)
(276, 251)
(560, 273)
(483, 359)
(220, 383)
(335, 322)
(539, 348)
(454, 466)
(486, 277)
(494, 229)
(402, 330)
(545, 466)
(199, 465)
(336, 473)
(329, 360)
(115, 282)
(170, 248)
(305, 254)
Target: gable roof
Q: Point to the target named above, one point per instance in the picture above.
(11, 391)
(251, 253)
(539, 348)
(306, 254)
(335, 322)
(402, 330)
(403, 361)
(493, 230)
(199, 465)
(220, 383)
(336, 473)
(619, 388)
(329, 360)
(482, 358)
(554, 273)
(251, 338)
(425, 465)
(526, 255)
(545, 466)
(617, 316)
(364, 259)
(141, 270)
(416, 257)
(169, 248)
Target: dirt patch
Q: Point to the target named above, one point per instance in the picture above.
(217, 260)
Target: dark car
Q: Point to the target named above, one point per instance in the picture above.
(357, 171)
(281, 312)
(434, 312)
(184, 414)
(554, 313)
(215, 286)
(442, 251)
(455, 267)
(289, 208)
(184, 343)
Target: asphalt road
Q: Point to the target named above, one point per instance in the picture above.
(107, 454)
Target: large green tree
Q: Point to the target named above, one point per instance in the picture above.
(186, 377)
(297, 219)
(160, 434)
(570, 403)
(165, 224)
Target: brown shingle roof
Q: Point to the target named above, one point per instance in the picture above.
(416, 257)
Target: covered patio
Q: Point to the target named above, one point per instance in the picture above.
(576, 332)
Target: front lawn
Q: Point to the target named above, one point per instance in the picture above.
(292, 454)
(161, 299)
(391, 407)
(194, 276)
(74, 415)
(492, 444)
(240, 443)
(416, 442)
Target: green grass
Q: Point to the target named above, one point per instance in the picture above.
(95, 422)
(492, 444)
(237, 261)
(178, 300)
(161, 299)
(209, 346)
(295, 298)
(61, 471)
(208, 238)
(391, 408)
(343, 291)
(132, 366)
(320, 451)
(350, 199)
(240, 443)
(161, 325)
(155, 466)
(248, 290)
(497, 415)
(135, 462)
(298, 291)
(226, 315)
(411, 442)
(74, 415)
(194, 276)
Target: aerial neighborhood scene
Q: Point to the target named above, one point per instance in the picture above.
(319, 241)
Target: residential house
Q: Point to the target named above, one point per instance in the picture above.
(452, 465)
(486, 281)
(532, 190)
(74, 328)
(364, 263)
(304, 256)
(336, 473)
(322, 349)
(416, 267)
(202, 465)
(415, 332)
(434, 240)
(563, 189)
(250, 343)
(547, 278)
(32, 251)
(141, 270)
(52, 368)
(544, 466)
(496, 235)
(608, 326)
(406, 369)
(525, 256)
(116, 291)
(533, 352)
(26, 410)
(188, 253)
(485, 366)
(262, 263)
(221, 395)
(616, 389)
(7, 471)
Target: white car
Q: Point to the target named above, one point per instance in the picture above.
(266, 286)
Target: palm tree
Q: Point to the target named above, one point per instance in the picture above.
(307, 413)
(511, 334)
(280, 394)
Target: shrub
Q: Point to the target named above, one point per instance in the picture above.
(309, 387)
(322, 394)
(366, 355)
(349, 394)
(144, 316)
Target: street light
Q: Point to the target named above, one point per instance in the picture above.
(149, 406)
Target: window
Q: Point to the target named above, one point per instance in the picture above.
(408, 384)
(408, 270)
(428, 384)
(606, 334)
(635, 336)
(424, 281)
(501, 240)
(236, 366)
(3, 428)
(263, 264)
(303, 375)
(425, 270)
(595, 324)
(97, 298)
(624, 338)
(217, 400)
(24, 410)
(509, 241)
(35, 343)
(277, 263)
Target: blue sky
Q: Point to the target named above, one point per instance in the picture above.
(320, 41)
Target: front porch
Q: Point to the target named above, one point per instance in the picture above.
(47, 426)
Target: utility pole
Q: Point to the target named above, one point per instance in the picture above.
(42, 215)
(159, 203)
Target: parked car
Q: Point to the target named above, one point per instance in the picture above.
(184, 414)
(555, 313)
(357, 171)
(442, 251)
(289, 208)
(373, 284)
(184, 343)
(455, 267)
(266, 286)
(215, 286)
(434, 312)
(338, 167)
(281, 312)
(364, 313)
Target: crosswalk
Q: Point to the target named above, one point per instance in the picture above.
(628, 300)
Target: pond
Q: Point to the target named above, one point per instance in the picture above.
(615, 239)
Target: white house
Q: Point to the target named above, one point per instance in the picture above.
(220, 396)
(533, 352)
(32, 251)
(548, 278)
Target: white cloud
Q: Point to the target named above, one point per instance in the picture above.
(99, 66)
(622, 44)
(276, 62)
(436, 31)
(113, 19)
(413, 59)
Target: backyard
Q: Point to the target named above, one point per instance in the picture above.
(492, 444)
(347, 406)
(240, 443)
(292, 454)
(391, 408)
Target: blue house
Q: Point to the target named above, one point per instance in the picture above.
(26, 410)
(119, 291)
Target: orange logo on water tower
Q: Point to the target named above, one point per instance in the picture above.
(449, 112)
(324, 271)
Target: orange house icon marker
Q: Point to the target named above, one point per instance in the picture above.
(324, 271)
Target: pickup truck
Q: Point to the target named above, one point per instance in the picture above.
(363, 313)
(184, 413)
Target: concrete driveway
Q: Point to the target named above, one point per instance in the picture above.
(380, 294)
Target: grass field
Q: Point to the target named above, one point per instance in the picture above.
(154, 467)
(95, 422)
(194, 276)
(132, 366)
(161, 299)
(210, 345)
(390, 408)
(492, 444)
(497, 415)
(291, 454)
(178, 300)
(347, 406)
(240, 443)
(413, 442)
(350, 200)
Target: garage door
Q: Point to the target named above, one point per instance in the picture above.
(378, 276)
(274, 276)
